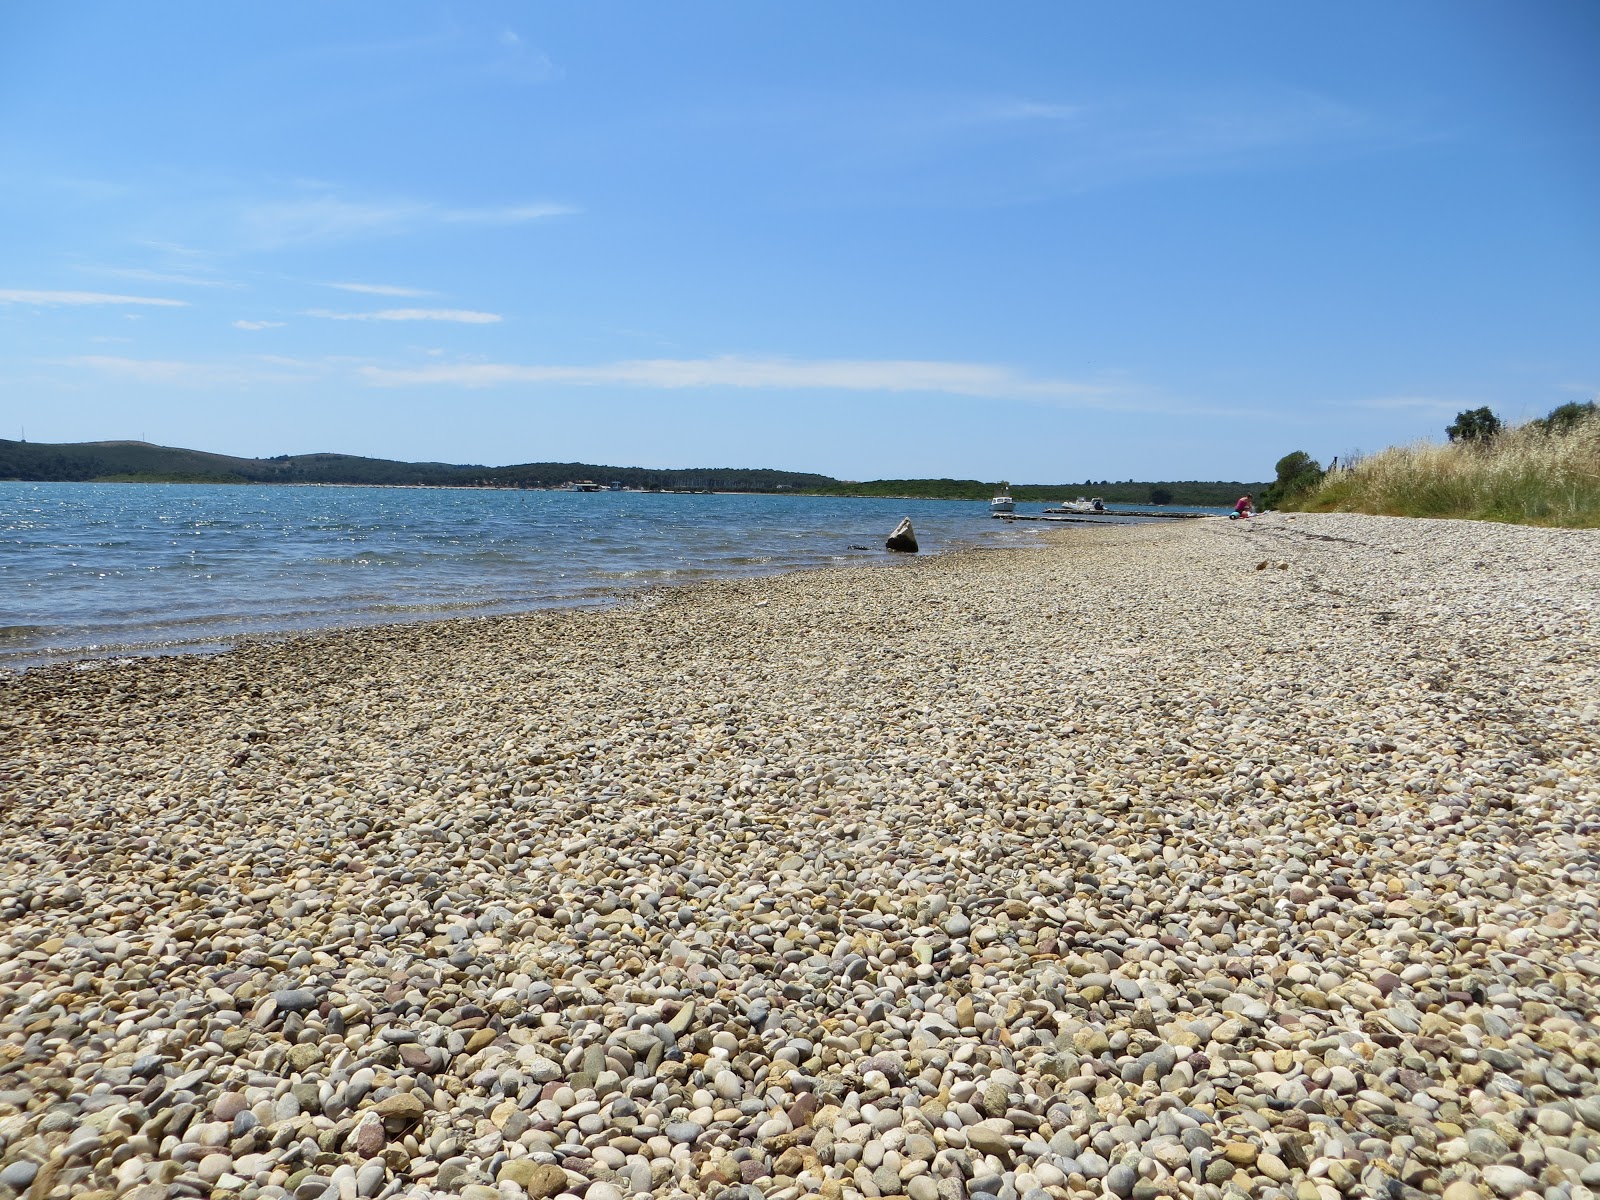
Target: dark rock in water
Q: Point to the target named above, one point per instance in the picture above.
(902, 538)
(853, 546)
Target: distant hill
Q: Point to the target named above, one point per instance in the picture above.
(142, 462)
(82, 461)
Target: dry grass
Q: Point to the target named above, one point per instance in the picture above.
(1525, 476)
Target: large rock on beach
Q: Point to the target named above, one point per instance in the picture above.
(725, 894)
(903, 539)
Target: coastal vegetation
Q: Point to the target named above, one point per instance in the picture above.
(1214, 493)
(142, 462)
(127, 461)
(1544, 472)
(124, 461)
(695, 479)
(1297, 473)
(1474, 425)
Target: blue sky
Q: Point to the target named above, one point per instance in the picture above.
(1042, 242)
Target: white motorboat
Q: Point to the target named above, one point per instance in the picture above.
(1003, 503)
(1079, 507)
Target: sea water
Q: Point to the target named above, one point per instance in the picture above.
(97, 570)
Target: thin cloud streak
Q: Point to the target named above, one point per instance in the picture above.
(1003, 150)
(1423, 403)
(180, 372)
(380, 289)
(511, 215)
(51, 299)
(866, 375)
(881, 376)
(1029, 110)
(253, 325)
(460, 316)
(146, 370)
(327, 218)
(145, 275)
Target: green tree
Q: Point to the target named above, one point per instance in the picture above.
(1297, 472)
(1565, 418)
(1160, 495)
(1474, 425)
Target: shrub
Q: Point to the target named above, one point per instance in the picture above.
(1567, 417)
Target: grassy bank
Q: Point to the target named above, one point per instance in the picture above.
(1526, 475)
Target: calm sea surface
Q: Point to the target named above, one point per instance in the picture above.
(94, 570)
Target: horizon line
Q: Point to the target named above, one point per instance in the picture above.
(129, 441)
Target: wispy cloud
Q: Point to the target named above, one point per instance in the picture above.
(141, 370)
(1421, 403)
(73, 189)
(521, 62)
(453, 51)
(253, 325)
(146, 275)
(176, 249)
(1027, 110)
(865, 375)
(513, 214)
(329, 217)
(461, 316)
(264, 369)
(1157, 136)
(51, 299)
(300, 364)
(380, 289)
(920, 148)
(324, 218)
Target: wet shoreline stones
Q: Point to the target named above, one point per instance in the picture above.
(1115, 867)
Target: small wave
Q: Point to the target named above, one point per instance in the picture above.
(17, 633)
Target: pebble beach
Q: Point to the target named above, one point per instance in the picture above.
(1196, 859)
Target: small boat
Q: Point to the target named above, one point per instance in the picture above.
(1003, 503)
(1079, 507)
(583, 485)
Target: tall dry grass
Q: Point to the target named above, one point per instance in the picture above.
(1526, 476)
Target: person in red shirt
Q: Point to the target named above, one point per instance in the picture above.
(1245, 507)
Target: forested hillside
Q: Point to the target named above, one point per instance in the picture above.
(140, 462)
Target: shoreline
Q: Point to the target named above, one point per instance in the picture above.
(1109, 866)
(606, 598)
(800, 493)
